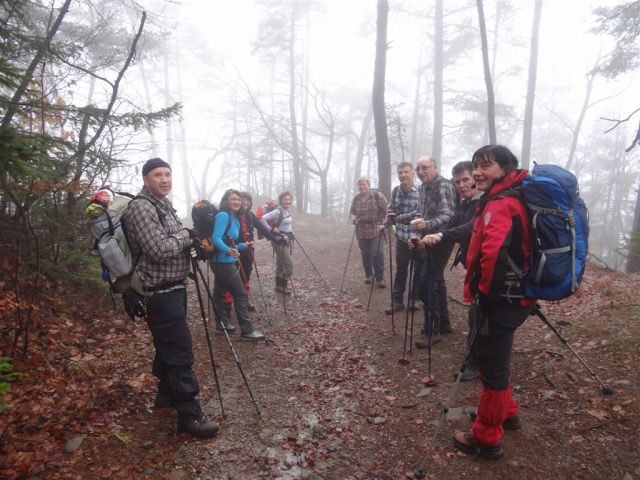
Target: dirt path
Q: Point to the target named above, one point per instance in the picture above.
(335, 402)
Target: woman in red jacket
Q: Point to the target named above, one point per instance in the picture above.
(499, 247)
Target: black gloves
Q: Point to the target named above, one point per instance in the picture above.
(192, 234)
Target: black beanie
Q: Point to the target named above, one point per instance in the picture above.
(154, 163)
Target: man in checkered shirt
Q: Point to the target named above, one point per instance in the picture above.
(160, 247)
(405, 203)
(437, 207)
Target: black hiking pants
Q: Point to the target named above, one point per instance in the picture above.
(403, 258)
(167, 320)
(433, 289)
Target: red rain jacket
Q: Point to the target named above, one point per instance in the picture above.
(501, 226)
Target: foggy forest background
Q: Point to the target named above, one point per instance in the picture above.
(274, 101)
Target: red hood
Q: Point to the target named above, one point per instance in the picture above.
(513, 179)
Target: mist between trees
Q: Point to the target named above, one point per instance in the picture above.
(306, 96)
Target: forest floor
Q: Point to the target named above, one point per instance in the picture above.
(335, 402)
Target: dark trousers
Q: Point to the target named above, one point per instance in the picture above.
(246, 260)
(227, 279)
(403, 258)
(492, 350)
(433, 289)
(372, 252)
(166, 317)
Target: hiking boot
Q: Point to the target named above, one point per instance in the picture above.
(255, 335)
(469, 374)
(511, 423)
(425, 343)
(380, 283)
(201, 428)
(397, 307)
(464, 442)
(162, 401)
(227, 326)
(368, 280)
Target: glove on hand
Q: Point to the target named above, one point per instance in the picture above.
(192, 234)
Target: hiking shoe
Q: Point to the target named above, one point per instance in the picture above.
(368, 280)
(511, 423)
(228, 327)
(425, 343)
(397, 307)
(468, 374)
(381, 283)
(464, 442)
(201, 428)
(162, 401)
(255, 335)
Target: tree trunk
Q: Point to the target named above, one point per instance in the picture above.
(379, 114)
(576, 131)
(413, 154)
(491, 101)
(186, 172)
(305, 115)
(167, 99)
(525, 157)
(633, 262)
(12, 108)
(438, 107)
(362, 142)
(147, 96)
(295, 147)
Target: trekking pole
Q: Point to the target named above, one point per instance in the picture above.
(430, 379)
(255, 266)
(404, 360)
(194, 265)
(604, 389)
(314, 267)
(393, 325)
(348, 256)
(419, 472)
(245, 281)
(233, 351)
(208, 285)
(374, 271)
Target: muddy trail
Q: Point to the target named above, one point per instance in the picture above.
(334, 401)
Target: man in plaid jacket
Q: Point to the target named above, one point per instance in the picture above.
(161, 246)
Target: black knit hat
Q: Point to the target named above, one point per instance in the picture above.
(154, 163)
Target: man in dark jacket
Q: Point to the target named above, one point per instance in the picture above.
(437, 207)
(161, 246)
(459, 231)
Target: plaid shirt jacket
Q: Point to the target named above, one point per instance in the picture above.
(159, 244)
(404, 203)
(370, 212)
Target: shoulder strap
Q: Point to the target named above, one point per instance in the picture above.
(394, 195)
(160, 214)
(280, 217)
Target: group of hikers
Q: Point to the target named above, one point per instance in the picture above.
(471, 210)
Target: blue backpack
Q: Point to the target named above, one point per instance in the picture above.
(559, 233)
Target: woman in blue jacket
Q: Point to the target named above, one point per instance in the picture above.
(224, 264)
